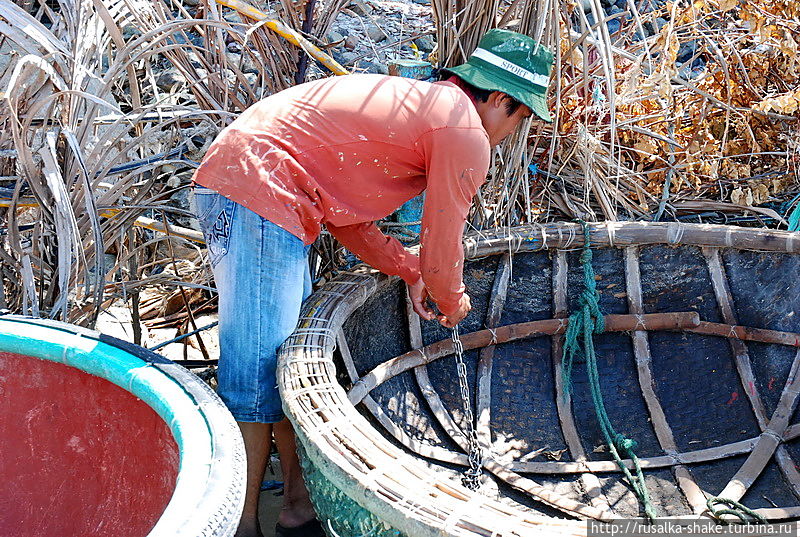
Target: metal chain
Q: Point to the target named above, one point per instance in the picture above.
(471, 477)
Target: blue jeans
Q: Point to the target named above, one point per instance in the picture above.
(262, 277)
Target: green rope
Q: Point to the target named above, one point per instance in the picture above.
(586, 321)
(794, 218)
(734, 508)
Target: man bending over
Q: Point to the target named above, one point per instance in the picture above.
(344, 152)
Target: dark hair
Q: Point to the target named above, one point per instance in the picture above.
(482, 95)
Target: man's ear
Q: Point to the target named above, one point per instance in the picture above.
(497, 99)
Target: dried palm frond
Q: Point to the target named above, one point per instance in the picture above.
(674, 105)
(459, 26)
(505, 199)
(102, 101)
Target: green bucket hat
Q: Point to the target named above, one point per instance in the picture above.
(512, 63)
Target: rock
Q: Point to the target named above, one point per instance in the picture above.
(191, 3)
(692, 70)
(245, 65)
(375, 33)
(359, 6)
(194, 59)
(235, 47)
(249, 65)
(170, 78)
(425, 43)
(180, 199)
(130, 31)
(653, 28)
(373, 67)
(233, 59)
(686, 51)
(334, 37)
(173, 181)
(346, 58)
(646, 6)
(188, 37)
(196, 142)
(231, 15)
(614, 24)
(422, 2)
(251, 78)
(351, 42)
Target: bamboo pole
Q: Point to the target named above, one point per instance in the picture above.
(431, 395)
(512, 332)
(483, 391)
(535, 237)
(594, 489)
(641, 349)
(747, 333)
(291, 35)
(769, 440)
(769, 445)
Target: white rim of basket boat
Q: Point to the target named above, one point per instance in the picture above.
(208, 497)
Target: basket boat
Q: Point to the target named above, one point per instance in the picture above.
(698, 364)
(100, 437)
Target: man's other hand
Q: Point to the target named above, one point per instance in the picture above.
(464, 306)
(418, 294)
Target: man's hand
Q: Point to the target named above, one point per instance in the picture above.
(418, 294)
(464, 306)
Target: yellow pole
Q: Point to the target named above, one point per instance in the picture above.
(155, 225)
(289, 34)
(142, 221)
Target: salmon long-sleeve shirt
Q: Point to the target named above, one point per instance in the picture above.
(349, 150)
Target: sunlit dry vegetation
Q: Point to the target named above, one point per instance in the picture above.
(677, 110)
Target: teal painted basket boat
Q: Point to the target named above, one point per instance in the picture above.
(697, 364)
(103, 438)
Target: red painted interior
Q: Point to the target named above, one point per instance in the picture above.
(79, 456)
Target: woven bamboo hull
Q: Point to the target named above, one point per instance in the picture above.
(709, 402)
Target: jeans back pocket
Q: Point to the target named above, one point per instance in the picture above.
(215, 213)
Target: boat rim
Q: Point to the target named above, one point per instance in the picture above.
(209, 489)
